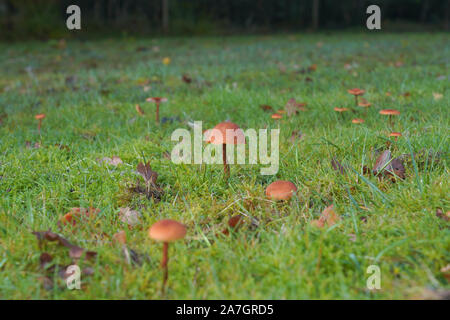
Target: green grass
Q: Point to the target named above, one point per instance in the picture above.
(284, 257)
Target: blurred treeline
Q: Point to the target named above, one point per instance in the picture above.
(42, 19)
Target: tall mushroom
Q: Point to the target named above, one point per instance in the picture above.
(390, 113)
(166, 231)
(226, 133)
(39, 117)
(157, 101)
(356, 92)
(280, 190)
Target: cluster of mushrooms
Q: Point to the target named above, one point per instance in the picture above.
(168, 230)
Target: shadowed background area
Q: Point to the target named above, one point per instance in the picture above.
(44, 19)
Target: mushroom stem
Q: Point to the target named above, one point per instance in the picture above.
(157, 112)
(39, 125)
(356, 100)
(226, 167)
(164, 261)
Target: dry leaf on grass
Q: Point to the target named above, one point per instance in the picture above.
(328, 218)
(139, 110)
(130, 217)
(114, 161)
(266, 107)
(78, 214)
(152, 189)
(74, 250)
(120, 237)
(292, 107)
(296, 136)
(384, 165)
(442, 215)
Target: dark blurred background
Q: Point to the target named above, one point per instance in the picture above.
(45, 19)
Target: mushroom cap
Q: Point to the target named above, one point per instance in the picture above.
(356, 91)
(39, 116)
(340, 109)
(281, 111)
(358, 121)
(395, 134)
(167, 230)
(276, 116)
(280, 190)
(156, 99)
(226, 133)
(390, 112)
(364, 104)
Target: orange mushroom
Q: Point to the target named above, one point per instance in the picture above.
(340, 110)
(39, 117)
(356, 92)
(226, 133)
(276, 116)
(157, 101)
(390, 113)
(395, 134)
(166, 231)
(358, 121)
(280, 190)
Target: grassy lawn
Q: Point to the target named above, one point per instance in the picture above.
(89, 90)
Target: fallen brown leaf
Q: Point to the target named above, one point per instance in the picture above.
(130, 217)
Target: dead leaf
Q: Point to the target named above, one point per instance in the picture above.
(139, 110)
(120, 237)
(337, 166)
(77, 214)
(328, 217)
(437, 96)
(266, 107)
(35, 145)
(295, 136)
(384, 165)
(152, 189)
(74, 250)
(44, 259)
(233, 224)
(147, 173)
(292, 107)
(440, 214)
(114, 161)
(186, 78)
(130, 217)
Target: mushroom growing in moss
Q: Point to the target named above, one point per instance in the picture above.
(280, 190)
(166, 231)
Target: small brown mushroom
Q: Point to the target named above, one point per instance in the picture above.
(226, 133)
(166, 231)
(39, 117)
(356, 92)
(280, 190)
(395, 134)
(157, 101)
(358, 121)
(276, 116)
(390, 113)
